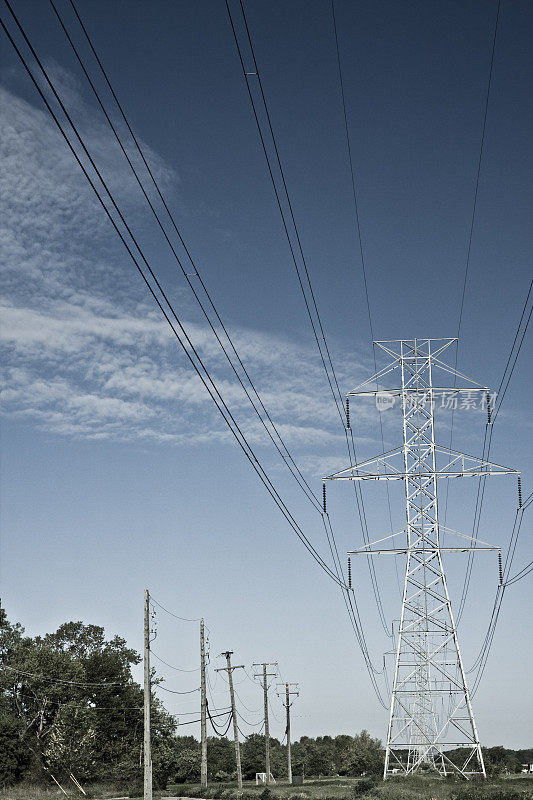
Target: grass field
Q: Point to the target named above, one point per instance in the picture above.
(519, 787)
(515, 787)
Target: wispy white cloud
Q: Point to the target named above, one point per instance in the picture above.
(85, 354)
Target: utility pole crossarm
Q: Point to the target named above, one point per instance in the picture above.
(225, 669)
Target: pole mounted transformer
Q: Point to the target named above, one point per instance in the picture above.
(430, 709)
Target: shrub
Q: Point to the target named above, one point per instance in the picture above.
(222, 776)
(489, 793)
(363, 786)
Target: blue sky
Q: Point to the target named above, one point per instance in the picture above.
(118, 474)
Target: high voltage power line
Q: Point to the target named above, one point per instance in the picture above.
(278, 442)
(359, 238)
(162, 301)
(473, 217)
(487, 440)
(209, 384)
(166, 308)
(289, 223)
(482, 657)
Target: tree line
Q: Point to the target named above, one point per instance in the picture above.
(69, 706)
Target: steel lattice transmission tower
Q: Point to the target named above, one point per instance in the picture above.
(430, 709)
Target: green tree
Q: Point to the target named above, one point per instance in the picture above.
(76, 704)
(367, 755)
(343, 753)
(220, 756)
(253, 755)
(498, 760)
(70, 743)
(14, 756)
(187, 766)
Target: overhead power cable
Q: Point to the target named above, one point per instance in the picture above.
(478, 173)
(354, 617)
(502, 396)
(250, 710)
(211, 692)
(39, 676)
(529, 567)
(472, 222)
(514, 352)
(164, 303)
(274, 436)
(171, 613)
(173, 691)
(482, 658)
(251, 724)
(116, 208)
(213, 724)
(359, 238)
(244, 736)
(310, 303)
(316, 326)
(178, 669)
(195, 721)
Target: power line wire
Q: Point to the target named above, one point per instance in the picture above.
(482, 143)
(178, 669)
(171, 613)
(251, 724)
(482, 658)
(472, 221)
(324, 356)
(359, 238)
(173, 691)
(213, 724)
(319, 328)
(172, 311)
(39, 676)
(188, 348)
(487, 442)
(281, 447)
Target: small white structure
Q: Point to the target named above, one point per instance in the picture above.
(261, 777)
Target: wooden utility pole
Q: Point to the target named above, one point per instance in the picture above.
(147, 756)
(229, 669)
(287, 705)
(266, 675)
(203, 721)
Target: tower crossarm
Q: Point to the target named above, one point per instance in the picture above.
(434, 390)
(390, 466)
(423, 546)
